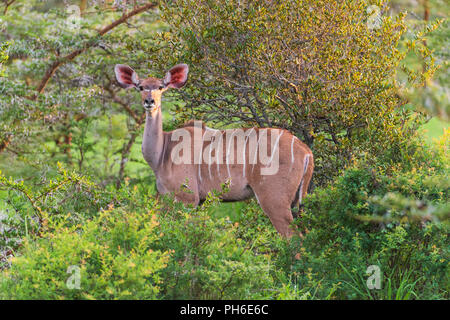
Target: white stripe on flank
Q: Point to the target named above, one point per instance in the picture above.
(219, 153)
(256, 152)
(247, 135)
(201, 158)
(245, 145)
(305, 167)
(209, 161)
(276, 146)
(227, 154)
(292, 149)
(213, 140)
(217, 161)
(300, 190)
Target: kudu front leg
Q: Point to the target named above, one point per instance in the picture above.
(188, 193)
(187, 198)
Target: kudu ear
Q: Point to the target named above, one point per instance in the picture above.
(176, 77)
(126, 76)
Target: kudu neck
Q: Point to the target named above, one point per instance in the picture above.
(153, 140)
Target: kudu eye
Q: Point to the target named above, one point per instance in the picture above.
(161, 87)
(141, 88)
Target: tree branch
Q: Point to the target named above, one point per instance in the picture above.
(115, 98)
(57, 63)
(7, 4)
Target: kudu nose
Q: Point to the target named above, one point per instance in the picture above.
(149, 101)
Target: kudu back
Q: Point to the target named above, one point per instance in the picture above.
(270, 164)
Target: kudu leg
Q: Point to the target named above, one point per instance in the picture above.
(188, 193)
(187, 199)
(307, 178)
(303, 188)
(279, 212)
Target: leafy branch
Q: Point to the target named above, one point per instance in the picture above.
(62, 60)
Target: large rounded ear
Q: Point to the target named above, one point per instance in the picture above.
(126, 76)
(176, 77)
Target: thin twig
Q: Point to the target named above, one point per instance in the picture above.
(57, 63)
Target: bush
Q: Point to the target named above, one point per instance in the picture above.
(147, 249)
(3, 56)
(113, 252)
(210, 258)
(26, 207)
(395, 219)
(127, 244)
(317, 68)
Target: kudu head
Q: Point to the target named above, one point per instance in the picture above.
(152, 88)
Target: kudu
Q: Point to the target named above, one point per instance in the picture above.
(276, 190)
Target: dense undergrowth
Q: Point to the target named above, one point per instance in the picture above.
(79, 218)
(71, 239)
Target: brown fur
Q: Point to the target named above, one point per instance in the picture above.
(275, 193)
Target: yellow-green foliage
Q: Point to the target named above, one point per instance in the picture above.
(137, 247)
(211, 257)
(311, 66)
(134, 246)
(395, 219)
(317, 68)
(3, 56)
(113, 252)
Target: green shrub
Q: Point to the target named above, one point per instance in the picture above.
(148, 249)
(317, 68)
(396, 219)
(3, 56)
(25, 207)
(113, 252)
(210, 259)
(391, 215)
